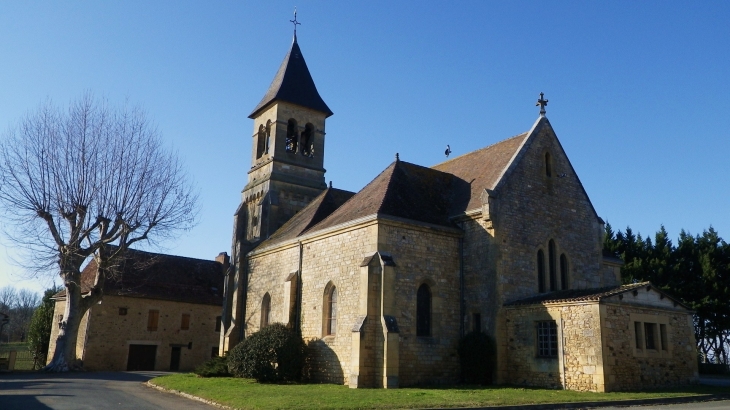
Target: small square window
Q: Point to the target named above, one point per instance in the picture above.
(218, 320)
(213, 352)
(122, 311)
(185, 322)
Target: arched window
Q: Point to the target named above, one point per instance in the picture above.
(423, 311)
(268, 136)
(540, 271)
(551, 266)
(563, 271)
(548, 165)
(265, 311)
(308, 140)
(330, 306)
(260, 141)
(292, 136)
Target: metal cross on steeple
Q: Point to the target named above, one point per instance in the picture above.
(295, 22)
(542, 103)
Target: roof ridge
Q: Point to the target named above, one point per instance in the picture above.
(479, 149)
(314, 228)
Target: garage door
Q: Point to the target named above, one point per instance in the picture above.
(141, 357)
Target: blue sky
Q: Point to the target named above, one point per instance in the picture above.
(638, 91)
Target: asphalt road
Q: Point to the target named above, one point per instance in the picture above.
(125, 390)
(93, 390)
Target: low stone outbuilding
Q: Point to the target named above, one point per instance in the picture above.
(612, 339)
(161, 312)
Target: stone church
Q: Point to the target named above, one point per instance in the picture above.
(383, 283)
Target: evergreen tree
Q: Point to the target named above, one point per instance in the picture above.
(696, 271)
(39, 333)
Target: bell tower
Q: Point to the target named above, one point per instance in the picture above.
(286, 174)
(287, 155)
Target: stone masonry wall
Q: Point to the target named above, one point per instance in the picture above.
(629, 369)
(267, 274)
(578, 365)
(334, 259)
(582, 348)
(532, 208)
(104, 343)
(423, 256)
(480, 275)
(110, 334)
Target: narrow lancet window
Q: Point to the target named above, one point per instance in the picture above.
(423, 311)
(563, 272)
(548, 165)
(265, 311)
(540, 271)
(551, 265)
(331, 312)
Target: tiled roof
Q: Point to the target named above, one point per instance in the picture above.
(479, 170)
(402, 190)
(317, 210)
(293, 84)
(578, 295)
(157, 276)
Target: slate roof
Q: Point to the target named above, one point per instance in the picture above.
(584, 295)
(479, 170)
(293, 84)
(402, 190)
(317, 210)
(158, 276)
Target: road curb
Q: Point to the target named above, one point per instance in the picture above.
(188, 396)
(598, 404)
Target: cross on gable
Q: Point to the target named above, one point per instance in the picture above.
(542, 103)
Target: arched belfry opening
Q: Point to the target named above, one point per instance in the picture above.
(260, 141)
(307, 139)
(268, 136)
(292, 136)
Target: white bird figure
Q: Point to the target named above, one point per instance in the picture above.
(448, 150)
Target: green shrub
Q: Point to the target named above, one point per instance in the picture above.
(274, 354)
(215, 367)
(39, 331)
(477, 355)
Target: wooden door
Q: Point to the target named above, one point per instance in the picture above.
(141, 357)
(175, 359)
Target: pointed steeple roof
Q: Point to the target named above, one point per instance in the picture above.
(293, 84)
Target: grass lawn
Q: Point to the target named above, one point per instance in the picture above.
(247, 394)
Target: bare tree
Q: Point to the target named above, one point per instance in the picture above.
(8, 297)
(88, 182)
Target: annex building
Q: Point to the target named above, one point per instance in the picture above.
(159, 312)
(383, 283)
